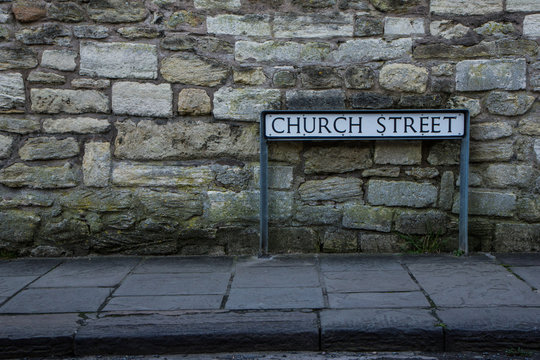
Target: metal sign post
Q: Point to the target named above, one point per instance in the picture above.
(284, 125)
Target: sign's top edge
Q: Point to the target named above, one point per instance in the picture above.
(366, 111)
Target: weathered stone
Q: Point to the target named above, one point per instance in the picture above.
(59, 59)
(230, 207)
(44, 148)
(17, 228)
(444, 153)
(217, 4)
(430, 222)
(360, 50)
(191, 69)
(125, 174)
(478, 75)
(138, 242)
(284, 78)
(28, 11)
(448, 29)
(442, 85)
(444, 69)
(522, 5)
(39, 177)
(132, 98)
(117, 11)
(11, 91)
(281, 51)
(288, 152)
(491, 151)
(5, 146)
(19, 125)
(462, 102)
(393, 5)
(509, 104)
(238, 178)
(314, 3)
(194, 102)
(52, 101)
(508, 175)
(359, 77)
(184, 139)
(18, 198)
(333, 188)
(279, 177)
(250, 25)
(529, 208)
(138, 32)
(353, 4)
(371, 100)
(403, 77)
(496, 29)
(105, 200)
(490, 131)
(17, 58)
(358, 216)
(78, 125)
(489, 203)
(530, 125)
(422, 173)
(293, 239)
(395, 26)
(496, 49)
(380, 243)
(165, 204)
(447, 190)
(318, 215)
(313, 26)
(119, 60)
(90, 83)
(517, 237)
(5, 32)
(320, 77)
(244, 104)
(524, 149)
(465, 7)
(206, 44)
(91, 31)
(184, 18)
(401, 193)
(432, 101)
(66, 12)
(315, 99)
(537, 150)
(338, 240)
(336, 159)
(398, 153)
(46, 34)
(96, 164)
(367, 25)
(249, 76)
(40, 77)
(383, 172)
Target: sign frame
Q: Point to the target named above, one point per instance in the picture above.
(464, 160)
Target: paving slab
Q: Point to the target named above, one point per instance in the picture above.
(302, 276)
(174, 284)
(27, 267)
(531, 274)
(59, 300)
(185, 264)
(275, 298)
(107, 271)
(492, 329)
(277, 261)
(445, 259)
(380, 330)
(364, 281)
(523, 259)
(360, 262)
(413, 299)
(37, 335)
(158, 334)
(164, 303)
(10, 285)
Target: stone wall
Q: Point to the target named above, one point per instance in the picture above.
(131, 126)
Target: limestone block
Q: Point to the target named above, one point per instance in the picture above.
(448, 29)
(315, 99)
(187, 68)
(17, 58)
(358, 216)
(40, 77)
(59, 59)
(522, 5)
(96, 165)
(428, 222)
(5, 146)
(340, 241)
(510, 237)
(396, 26)
(401, 193)
(39, 177)
(19, 125)
(217, 4)
(313, 26)
(11, 91)
(336, 159)
(281, 51)
(531, 25)
(244, 104)
(332, 188)
(508, 175)
(78, 125)
(142, 99)
(117, 11)
(318, 215)
(491, 131)
(478, 75)
(128, 174)
(509, 104)
(489, 203)
(249, 25)
(404, 77)
(398, 152)
(46, 148)
(363, 50)
(466, 7)
(253, 76)
(53, 101)
(194, 102)
(537, 150)
(91, 31)
(501, 150)
(422, 172)
(367, 25)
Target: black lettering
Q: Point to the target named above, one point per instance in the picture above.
(335, 123)
(290, 125)
(325, 125)
(274, 125)
(352, 124)
(423, 124)
(395, 118)
(409, 121)
(433, 124)
(305, 125)
(381, 124)
(450, 118)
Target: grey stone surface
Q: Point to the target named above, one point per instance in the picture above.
(320, 77)
(324, 214)
(367, 25)
(54, 101)
(444, 153)
(85, 83)
(43, 148)
(423, 222)
(521, 5)
(11, 91)
(448, 29)
(276, 261)
(531, 23)
(360, 262)
(275, 298)
(489, 202)
(371, 100)
(17, 58)
(272, 277)
(174, 284)
(281, 52)
(516, 237)
(313, 26)
(509, 175)
(116, 11)
(187, 68)
(359, 77)
(132, 98)
(464, 7)
(19, 125)
(478, 75)
(6, 143)
(164, 303)
(509, 104)
(91, 31)
(339, 241)
(491, 130)
(401, 193)
(118, 60)
(489, 151)
(446, 193)
(12, 284)
(315, 99)
(413, 299)
(380, 329)
(27, 266)
(39, 177)
(360, 50)
(217, 4)
(383, 171)
(244, 104)
(380, 243)
(64, 60)
(279, 177)
(358, 216)
(368, 281)
(66, 12)
(194, 102)
(403, 26)
(45, 34)
(40, 77)
(58, 300)
(130, 174)
(333, 188)
(519, 259)
(531, 274)
(398, 153)
(462, 102)
(138, 32)
(228, 24)
(172, 265)
(78, 125)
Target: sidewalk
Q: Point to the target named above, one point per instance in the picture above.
(158, 305)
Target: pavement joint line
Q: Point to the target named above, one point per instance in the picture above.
(430, 301)
(229, 284)
(509, 269)
(322, 283)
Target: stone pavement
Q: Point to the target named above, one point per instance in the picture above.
(158, 305)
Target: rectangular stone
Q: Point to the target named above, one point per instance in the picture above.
(174, 284)
(368, 281)
(78, 125)
(132, 98)
(413, 299)
(466, 7)
(333, 188)
(275, 298)
(118, 60)
(509, 175)
(364, 50)
(398, 153)
(250, 25)
(403, 26)
(516, 237)
(19, 125)
(53, 101)
(64, 60)
(96, 164)
(6, 143)
(337, 159)
(522, 5)
(479, 75)
(10, 285)
(531, 25)
(275, 277)
(401, 193)
(279, 177)
(313, 26)
(11, 91)
(127, 174)
(39, 177)
(281, 51)
(318, 215)
(487, 151)
(490, 203)
(217, 4)
(358, 216)
(164, 303)
(46, 148)
(244, 104)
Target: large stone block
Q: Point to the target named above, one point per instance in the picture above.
(531, 25)
(66, 12)
(19, 125)
(39, 177)
(129, 174)
(320, 77)
(508, 175)
(466, 7)
(517, 237)
(364, 50)
(187, 68)
(5, 146)
(28, 11)
(491, 151)
(64, 60)
(333, 188)
(293, 240)
(446, 194)
(194, 102)
(53, 101)
(509, 104)
(339, 241)
(118, 60)
(401, 193)
(358, 216)
(315, 99)
(313, 26)
(398, 153)
(17, 228)
(462, 102)
(336, 159)
(444, 153)
(479, 75)
(367, 25)
(250, 25)
(430, 222)
(132, 98)
(359, 77)
(279, 177)
(17, 58)
(489, 203)
(97, 200)
(522, 5)
(45, 34)
(49, 78)
(146, 140)
(217, 4)
(395, 26)
(181, 205)
(281, 51)
(244, 104)
(78, 125)
(117, 11)
(318, 215)
(46, 148)
(491, 131)
(529, 208)
(96, 165)
(11, 91)
(207, 44)
(497, 48)
(380, 243)
(91, 31)
(249, 76)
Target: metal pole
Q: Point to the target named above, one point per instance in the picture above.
(263, 179)
(464, 189)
